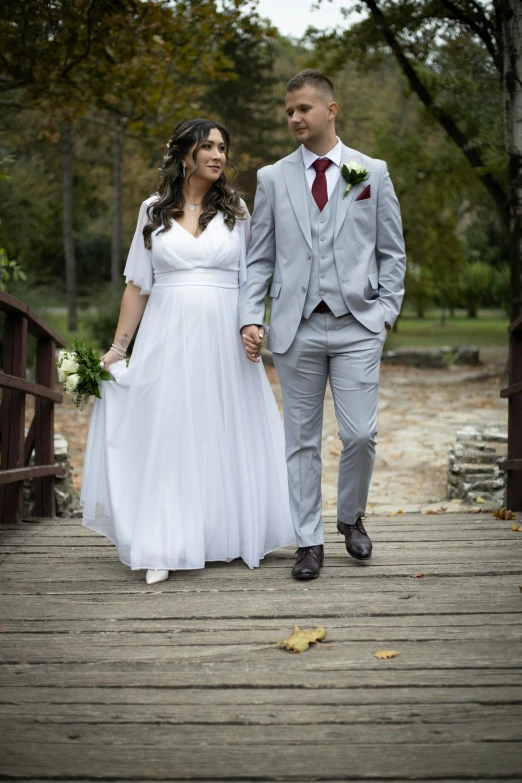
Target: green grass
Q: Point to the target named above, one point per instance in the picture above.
(58, 321)
(489, 329)
(486, 330)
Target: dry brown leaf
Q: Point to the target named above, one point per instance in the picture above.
(394, 513)
(515, 528)
(503, 513)
(417, 576)
(300, 639)
(383, 655)
(440, 510)
(520, 588)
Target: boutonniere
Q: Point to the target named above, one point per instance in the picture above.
(353, 173)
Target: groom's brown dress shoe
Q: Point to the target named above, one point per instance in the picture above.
(358, 542)
(308, 562)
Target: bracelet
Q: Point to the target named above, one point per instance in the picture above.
(117, 349)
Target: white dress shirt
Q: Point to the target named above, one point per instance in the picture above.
(332, 172)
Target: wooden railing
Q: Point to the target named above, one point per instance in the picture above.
(513, 392)
(15, 448)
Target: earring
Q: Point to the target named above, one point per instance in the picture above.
(184, 168)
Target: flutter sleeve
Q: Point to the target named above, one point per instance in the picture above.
(138, 269)
(245, 241)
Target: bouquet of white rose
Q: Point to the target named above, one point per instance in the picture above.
(80, 372)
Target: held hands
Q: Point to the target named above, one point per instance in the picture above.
(253, 337)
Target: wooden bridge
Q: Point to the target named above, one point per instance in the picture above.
(106, 679)
(103, 678)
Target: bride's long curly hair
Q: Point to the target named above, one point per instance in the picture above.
(170, 201)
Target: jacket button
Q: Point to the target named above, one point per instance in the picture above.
(309, 255)
(303, 289)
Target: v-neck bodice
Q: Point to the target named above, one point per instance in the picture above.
(177, 249)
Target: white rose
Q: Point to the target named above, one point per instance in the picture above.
(62, 355)
(72, 382)
(69, 366)
(61, 375)
(356, 166)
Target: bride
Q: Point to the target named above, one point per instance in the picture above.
(185, 456)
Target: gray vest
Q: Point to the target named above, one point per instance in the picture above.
(324, 281)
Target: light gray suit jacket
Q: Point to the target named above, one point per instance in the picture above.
(368, 248)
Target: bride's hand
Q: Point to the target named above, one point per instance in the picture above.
(109, 358)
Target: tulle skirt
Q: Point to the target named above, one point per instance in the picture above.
(185, 454)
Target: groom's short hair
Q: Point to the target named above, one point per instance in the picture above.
(315, 78)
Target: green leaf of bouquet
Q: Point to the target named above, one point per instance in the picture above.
(107, 376)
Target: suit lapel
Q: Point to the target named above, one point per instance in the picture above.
(343, 204)
(294, 174)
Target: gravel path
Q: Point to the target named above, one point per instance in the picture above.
(419, 414)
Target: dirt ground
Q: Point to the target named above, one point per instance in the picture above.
(419, 414)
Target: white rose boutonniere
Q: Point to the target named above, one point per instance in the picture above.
(353, 173)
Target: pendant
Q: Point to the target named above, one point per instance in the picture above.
(192, 207)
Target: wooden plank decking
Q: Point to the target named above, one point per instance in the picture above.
(105, 678)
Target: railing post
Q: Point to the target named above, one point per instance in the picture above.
(44, 504)
(514, 456)
(13, 415)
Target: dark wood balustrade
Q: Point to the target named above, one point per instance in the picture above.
(513, 392)
(15, 448)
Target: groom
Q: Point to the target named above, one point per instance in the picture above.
(337, 260)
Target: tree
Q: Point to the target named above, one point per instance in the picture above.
(134, 69)
(476, 283)
(416, 33)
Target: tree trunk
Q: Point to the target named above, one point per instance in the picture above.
(68, 239)
(512, 90)
(117, 210)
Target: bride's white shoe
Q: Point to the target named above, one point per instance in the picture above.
(154, 575)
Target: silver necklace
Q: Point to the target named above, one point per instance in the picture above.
(192, 207)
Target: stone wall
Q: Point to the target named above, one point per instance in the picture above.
(473, 465)
(66, 498)
(434, 358)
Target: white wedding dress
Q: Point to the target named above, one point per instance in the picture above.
(185, 455)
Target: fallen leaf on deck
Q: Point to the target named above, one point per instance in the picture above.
(479, 500)
(417, 576)
(516, 529)
(300, 639)
(503, 513)
(440, 510)
(394, 513)
(383, 655)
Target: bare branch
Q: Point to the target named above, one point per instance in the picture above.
(482, 32)
(7, 86)
(467, 148)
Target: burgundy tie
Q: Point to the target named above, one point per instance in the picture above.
(319, 189)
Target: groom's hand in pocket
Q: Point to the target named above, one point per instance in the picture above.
(253, 337)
